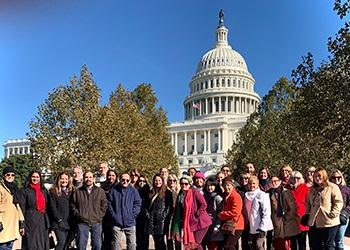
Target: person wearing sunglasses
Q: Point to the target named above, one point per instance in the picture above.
(11, 223)
(324, 203)
(190, 216)
(123, 207)
(337, 178)
(309, 173)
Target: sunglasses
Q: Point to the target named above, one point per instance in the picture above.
(10, 175)
(171, 180)
(184, 183)
(124, 180)
(244, 178)
(336, 177)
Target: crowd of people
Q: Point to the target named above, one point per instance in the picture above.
(191, 212)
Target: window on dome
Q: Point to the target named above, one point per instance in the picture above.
(202, 85)
(228, 82)
(239, 83)
(234, 83)
(229, 104)
(212, 83)
(217, 83)
(206, 84)
(217, 106)
(223, 82)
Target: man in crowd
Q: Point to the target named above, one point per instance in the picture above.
(89, 205)
(123, 207)
(77, 177)
(102, 173)
(250, 169)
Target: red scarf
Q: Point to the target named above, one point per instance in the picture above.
(40, 199)
(189, 240)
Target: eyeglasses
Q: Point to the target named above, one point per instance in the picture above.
(184, 183)
(10, 175)
(124, 180)
(171, 180)
(297, 177)
(336, 177)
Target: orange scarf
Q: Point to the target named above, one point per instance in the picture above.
(189, 241)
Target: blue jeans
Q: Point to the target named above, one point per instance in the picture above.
(6, 245)
(83, 236)
(339, 237)
(130, 233)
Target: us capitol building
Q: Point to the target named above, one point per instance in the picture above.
(221, 97)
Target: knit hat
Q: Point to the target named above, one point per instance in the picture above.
(188, 178)
(199, 175)
(8, 169)
(228, 180)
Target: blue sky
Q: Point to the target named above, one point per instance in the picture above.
(44, 43)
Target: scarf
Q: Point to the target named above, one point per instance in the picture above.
(277, 192)
(13, 190)
(188, 237)
(39, 196)
(176, 222)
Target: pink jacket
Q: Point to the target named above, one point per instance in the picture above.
(199, 217)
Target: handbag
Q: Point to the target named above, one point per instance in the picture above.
(228, 227)
(344, 216)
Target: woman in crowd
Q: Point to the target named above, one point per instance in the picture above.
(219, 177)
(250, 169)
(324, 203)
(190, 216)
(142, 239)
(337, 178)
(164, 173)
(300, 191)
(258, 213)
(34, 200)
(134, 175)
(199, 181)
(242, 189)
(232, 211)
(60, 213)
(277, 212)
(285, 172)
(174, 187)
(11, 223)
(214, 238)
(264, 179)
(290, 217)
(159, 210)
(225, 169)
(111, 178)
(309, 173)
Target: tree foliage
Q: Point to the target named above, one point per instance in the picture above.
(23, 164)
(305, 121)
(72, 127)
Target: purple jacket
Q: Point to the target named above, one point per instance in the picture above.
(345, 193)
(199, 217)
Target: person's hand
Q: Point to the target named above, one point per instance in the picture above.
(21, 231)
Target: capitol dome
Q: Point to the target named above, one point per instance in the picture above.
(222, 84)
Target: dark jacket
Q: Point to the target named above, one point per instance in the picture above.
(89, 208)
(159, 213)
(60, 215)
(123, 206)
(345, 192)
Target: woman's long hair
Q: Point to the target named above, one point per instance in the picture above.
(56, 189)
(324, 177)
(29, 181)
(162, 189)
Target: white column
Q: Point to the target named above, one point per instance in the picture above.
(185, 152)
(200, 107)
(195, 142)
(205, 141)
(175, 143)
(226, 104)
(219, 140)
(213, 105)
(206, 106)
(209, 147)
(232, 104)
(220, 105)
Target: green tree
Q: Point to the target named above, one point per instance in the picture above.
(72, 127)
(23, 164)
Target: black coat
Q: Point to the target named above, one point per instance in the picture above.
(60, 215)
(159, 213)
(36, 224)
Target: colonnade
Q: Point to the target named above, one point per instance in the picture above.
(220, 104)
(19, 150)
(199, 141)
